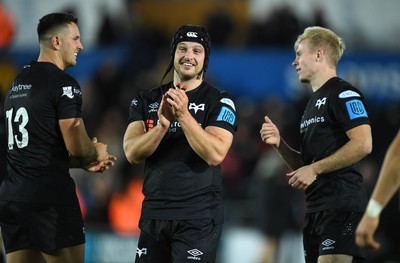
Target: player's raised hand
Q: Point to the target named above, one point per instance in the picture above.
(165, 112)
(270, 133)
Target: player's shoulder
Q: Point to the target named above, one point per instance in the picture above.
(153, 92)
(54, 76)
(147, 96)
(214, 91)
(219, 96)
(344, 89)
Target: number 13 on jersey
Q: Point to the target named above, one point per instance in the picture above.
(20, 119)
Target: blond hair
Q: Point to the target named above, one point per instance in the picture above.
(324, 38)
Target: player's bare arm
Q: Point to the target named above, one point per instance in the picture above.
(358, 146)
(270, 135)
(211, 144)
(388, 183)
(389, 177)
(139, 144)
(79, 144)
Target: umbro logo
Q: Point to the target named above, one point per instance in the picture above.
(328, 244)
(191, 34)
(195, 254)
(154, 107)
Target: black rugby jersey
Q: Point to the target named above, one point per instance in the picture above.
(178, 183)
(38, 161)
(332, 110)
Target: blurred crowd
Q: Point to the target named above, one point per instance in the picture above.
(255, 185)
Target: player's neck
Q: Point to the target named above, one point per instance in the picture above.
(321, 78)
(190, 84)
(51, 58)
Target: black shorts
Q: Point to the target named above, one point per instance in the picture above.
(331, 232)
(40, 226)
(169, 241)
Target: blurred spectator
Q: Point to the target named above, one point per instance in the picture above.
(220, 25)
(107, 84)
(113, 26)
(319, 17)
(125, 208)
(145, 46)
(270, 32)
(281, 208)
(7, 27)
(8, 71)
(100, 188)
(108, 33)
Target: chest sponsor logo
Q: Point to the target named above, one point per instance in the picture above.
(320, 102)
(356, 109)
(193, 106)
(20, 87)
(227, 115)
(313, 120)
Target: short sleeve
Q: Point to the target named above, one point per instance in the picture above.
(223, 113)
(69, 99)
(349, 108)
(136, 111)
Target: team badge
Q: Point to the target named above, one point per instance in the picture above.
(193, 106)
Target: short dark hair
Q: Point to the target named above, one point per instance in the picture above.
(52, 21)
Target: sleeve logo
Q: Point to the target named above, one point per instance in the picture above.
(67, 91)
(227, 115)
(134, 103)
(228, 102)
(348, 94)
(356, 109)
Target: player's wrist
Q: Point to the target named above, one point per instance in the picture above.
(374, 208)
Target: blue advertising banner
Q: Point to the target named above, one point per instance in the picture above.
(261, 73)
